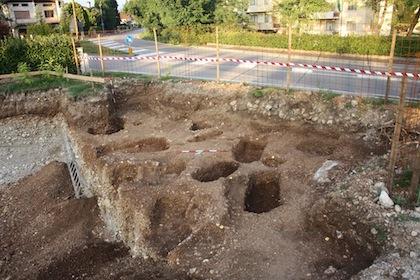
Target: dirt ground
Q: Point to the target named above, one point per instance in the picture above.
(221, 195)
(46, 233)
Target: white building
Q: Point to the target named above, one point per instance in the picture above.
(25, 12)
(347, 18)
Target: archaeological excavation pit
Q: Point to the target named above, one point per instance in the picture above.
(263, 192)
(215, 171)
(164, 213)
(248, 150)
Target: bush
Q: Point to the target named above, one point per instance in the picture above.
(40, 29)
(40, 53)
(362, 45)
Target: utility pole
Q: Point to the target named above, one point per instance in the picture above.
(76, 25)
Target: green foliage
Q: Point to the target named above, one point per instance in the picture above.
(328, 95)
(162, 14)
(39, 53)
(40, 29)
(45, 82)
(361, 45)
(257, 93)
(406, 218)
(109, 11)
(293, 11)
(82, 16)
(400, 200)
(403, 180)
(24, 70)
(382, 234)
(91, 48)
(231, 13)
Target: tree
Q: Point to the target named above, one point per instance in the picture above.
(162, 14)
(108, 10)
(231, 12)
(406, 14)
(292, 12)
(81, 15)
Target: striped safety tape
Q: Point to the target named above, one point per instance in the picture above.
(199, 152)
(272, 63)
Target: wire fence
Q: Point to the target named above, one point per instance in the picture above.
(367, 75)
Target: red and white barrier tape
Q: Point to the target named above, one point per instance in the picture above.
(272, 63)
(199, 152)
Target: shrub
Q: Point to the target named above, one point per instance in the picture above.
(40, 29)
(40, 53)
(362, 45)
(12, 52)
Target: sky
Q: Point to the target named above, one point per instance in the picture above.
(85, 3)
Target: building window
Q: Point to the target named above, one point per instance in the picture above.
(351, 26)
(49, 14)
(329, 26)
(47, 5)
(24, 5)
(22, 15)
(253, 3)
(352, 7)
(266, 2)
(15, 5)
(266, 18)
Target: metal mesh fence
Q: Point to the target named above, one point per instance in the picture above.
(365, 75)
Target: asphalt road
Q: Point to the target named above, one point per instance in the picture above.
(264, 75)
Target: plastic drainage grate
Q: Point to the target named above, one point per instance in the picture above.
(76, 179)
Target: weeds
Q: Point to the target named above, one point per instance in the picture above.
(400, 200)
(328, 95)
(406, 218)
(382, 234)
(404, 180)
(46, 82)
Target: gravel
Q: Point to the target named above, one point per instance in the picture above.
(27, 144)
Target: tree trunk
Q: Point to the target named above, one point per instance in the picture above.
(382, 18)
(413, 23)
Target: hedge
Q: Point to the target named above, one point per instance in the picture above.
(362, 45)
(39, 53)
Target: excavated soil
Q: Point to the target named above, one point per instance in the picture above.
(205, 192)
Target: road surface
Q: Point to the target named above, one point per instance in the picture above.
(257, 74)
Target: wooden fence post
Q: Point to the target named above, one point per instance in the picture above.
(289, 57)
(397, 133)
(416, 176)
(101, 55)
(157, 53)
(76, 56)
(390, 63)
(76, 26)
(217, 55)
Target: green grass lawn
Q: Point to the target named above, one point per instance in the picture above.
(44, 82)
(91, 48)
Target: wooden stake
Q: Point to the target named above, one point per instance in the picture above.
(101, 55)
(76, 26)
(76, 57)
(289, 57)
(390, 63)
(157, 53)
(416, 176)
(217, 55)
(397, 133)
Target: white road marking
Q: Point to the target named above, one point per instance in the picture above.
(302, 70)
